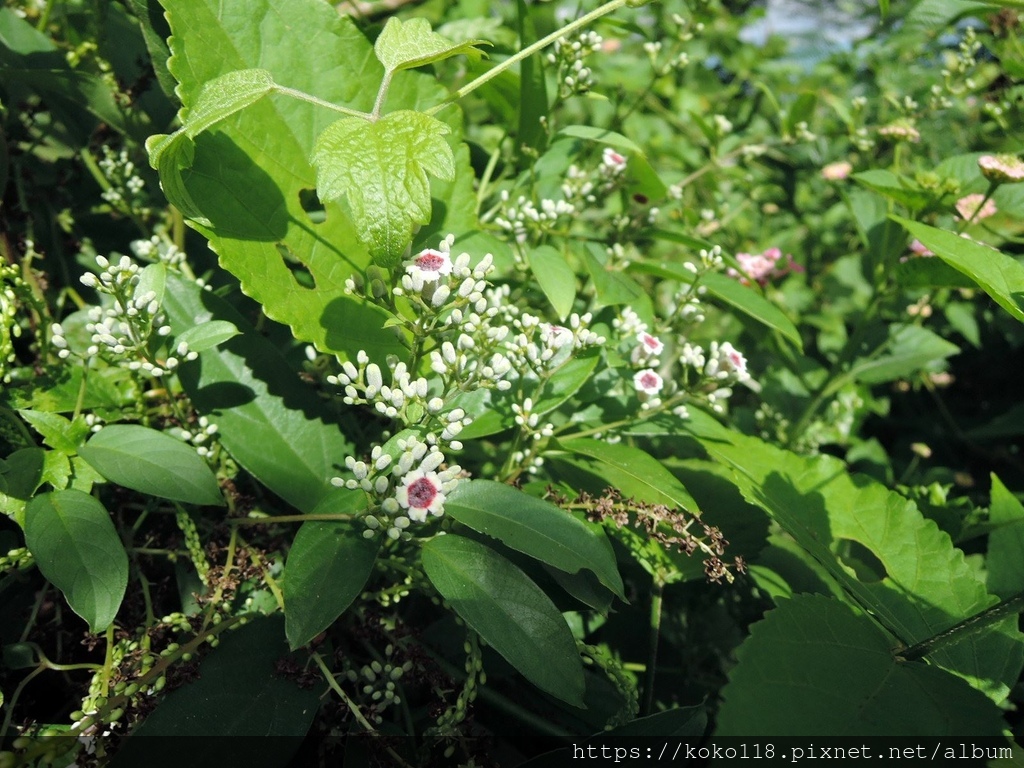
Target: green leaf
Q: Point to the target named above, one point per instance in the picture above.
(250, 176)
(555, 277)
(532, 103)
(327, 567)
(20, 475)
(611, 287)
(152, 278)
(910, 348)
(412, 43)
(999, 275)
(207, 335)
(536, 528)
(509, 611)
(381, 168)
(830, 672)
(734, 293)
(258, 715)
(151, 462)
(632, 472)
(899, 188)
(268, 420)
(77, 548)
(920, 586)
(59, 433)
(602, 136)
(1005, 543)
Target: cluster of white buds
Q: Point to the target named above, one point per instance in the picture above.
(121, 333)
(126, 186)
(158, 249)
(405, 485)
(570, 54)
(10, 285)
(524, 217)
(201, 435)
(545, 346)
(529, 421)
(406, 399)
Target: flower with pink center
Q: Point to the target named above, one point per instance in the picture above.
(428, 265)
(732, 359)
(975, 207)
(421, 493)
(612, 160)
(651, 345)
(1002, 169)
(555, 336)
(648, 382)
(836, 171)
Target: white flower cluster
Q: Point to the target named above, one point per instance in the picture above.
(405, 484)
(524, 217)
(379, 684)
(126, 186)
(200, 435)
(406, 398)
(121, 333)
(158, 249)
(570, 54)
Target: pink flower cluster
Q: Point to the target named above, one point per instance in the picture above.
(975, 207)
(762, 267)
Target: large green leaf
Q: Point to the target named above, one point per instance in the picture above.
(1005, 543)
(151, 462)
(248, 710)
(250, 175)
(77, 548)
(555, 277)
(327, 568)
(268, 420)
(631, 471)
(381, 169)
(535, 527)
(830, 672)
(999, 275)
(908, 349)
(920, 584)
(509, 611)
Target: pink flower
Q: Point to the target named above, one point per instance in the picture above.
(836, 171)
(919, 249)
(429, 265)
(421, 493)
(648, 382)
(762, 267)
(971, 206)
(1002, 169)
(612, 160)
(651, 345)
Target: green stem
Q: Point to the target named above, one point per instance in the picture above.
(558, 34)
(382, 94)
(966, 628)
(302, 96)
(657, 596)
(287, 519)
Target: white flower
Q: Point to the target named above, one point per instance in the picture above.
(421, 493)
(648, 382)
(612, 160)
(651, 345)
(429, 265)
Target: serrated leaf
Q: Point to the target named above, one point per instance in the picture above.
(381, 168)
(824, 508)
(248, 178)
(555, 277)
(151, 462)
(1005, 543)
(412, 43)
(508, 611)
(999, 275)
(77, 548)
(830, 672)
(267, 419)
(327, 567)
(57, 432)
(535, 527)
(207, 335)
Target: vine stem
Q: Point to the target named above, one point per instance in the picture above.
(657, 596)
(303, 96)
(333, 683)
(582, 21)
(964, 629)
